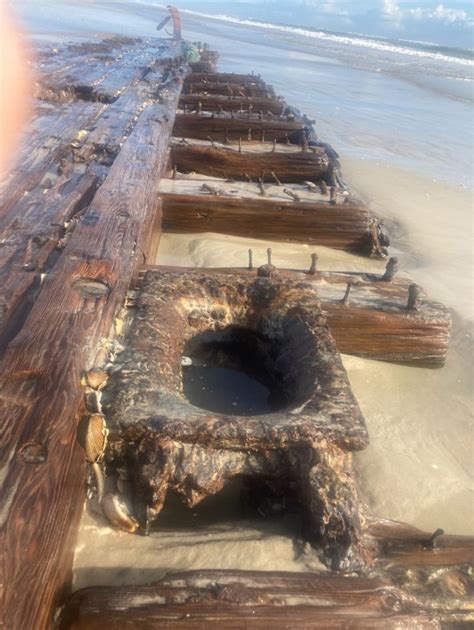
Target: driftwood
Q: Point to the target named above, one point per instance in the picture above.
(223, 128)
(237, 599)
(215, 103)
(226, 162)
(374, 322)
(344, 226)
(43, 470)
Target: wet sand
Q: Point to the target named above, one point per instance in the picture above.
(418, 467)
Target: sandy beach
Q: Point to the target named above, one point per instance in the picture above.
(405, 148)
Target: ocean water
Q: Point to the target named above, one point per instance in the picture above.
(400, 114)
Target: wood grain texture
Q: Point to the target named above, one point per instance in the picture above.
(343, 226)
(226, 162)
(214, 103)
(245, 599)
(40, 372)
(53, 182)
(375, 322)
(223, 77)
(220, 127)
(230, 89)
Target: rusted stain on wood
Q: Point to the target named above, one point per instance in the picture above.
(375, 324)
(226, 162)
(343, 227)
(64, 332)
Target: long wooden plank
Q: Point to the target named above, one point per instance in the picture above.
(222, 128)
(344, 226)
(40, 372)
(55, 182)
(215, 103)
(246, 599)
(225, 162)
(374, 323)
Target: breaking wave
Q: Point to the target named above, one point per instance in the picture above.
(427, 51)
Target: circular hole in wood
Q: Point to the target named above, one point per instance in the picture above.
(34, 453)
(233, 372)
(90, 288)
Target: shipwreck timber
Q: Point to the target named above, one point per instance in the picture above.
(81, 219)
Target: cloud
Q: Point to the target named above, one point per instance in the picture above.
(396, 14)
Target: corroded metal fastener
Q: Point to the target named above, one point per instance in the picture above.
(268, 270)
(314, 262)
(250, 259)
(430, 544)
(414, 297)
(390, 270)
(345, 299)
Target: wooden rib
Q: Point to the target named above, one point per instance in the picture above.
(230, 89)
(224, 77)
(223, 162)
(237, 599)
(41, 370)
(375, 324)
(202, 126)
(343, 227)
(212, 103)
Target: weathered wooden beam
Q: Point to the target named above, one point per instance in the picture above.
(223, 128)
(227, 162)
(41, 205)
(344, 226)
(53, 134)
(375, 322)
(99, 76)
(40, 373)
(236, 599)
(224, 78)
(231, 89)
(214, 103)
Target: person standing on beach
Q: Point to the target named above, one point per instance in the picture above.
(176, 17)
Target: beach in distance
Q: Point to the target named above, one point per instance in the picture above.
(400, 116)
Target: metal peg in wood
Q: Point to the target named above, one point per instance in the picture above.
(250, 260)
(274, 145)
(391, 269)
(269, 255)
(345, 299)
(314, 263)
(430, 544)
(276, 178)
(332, 196)
(249, 134)
(240, 145)
(175, 171)
(414, 297)
(262, 187)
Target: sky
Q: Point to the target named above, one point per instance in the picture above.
(448, 23)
